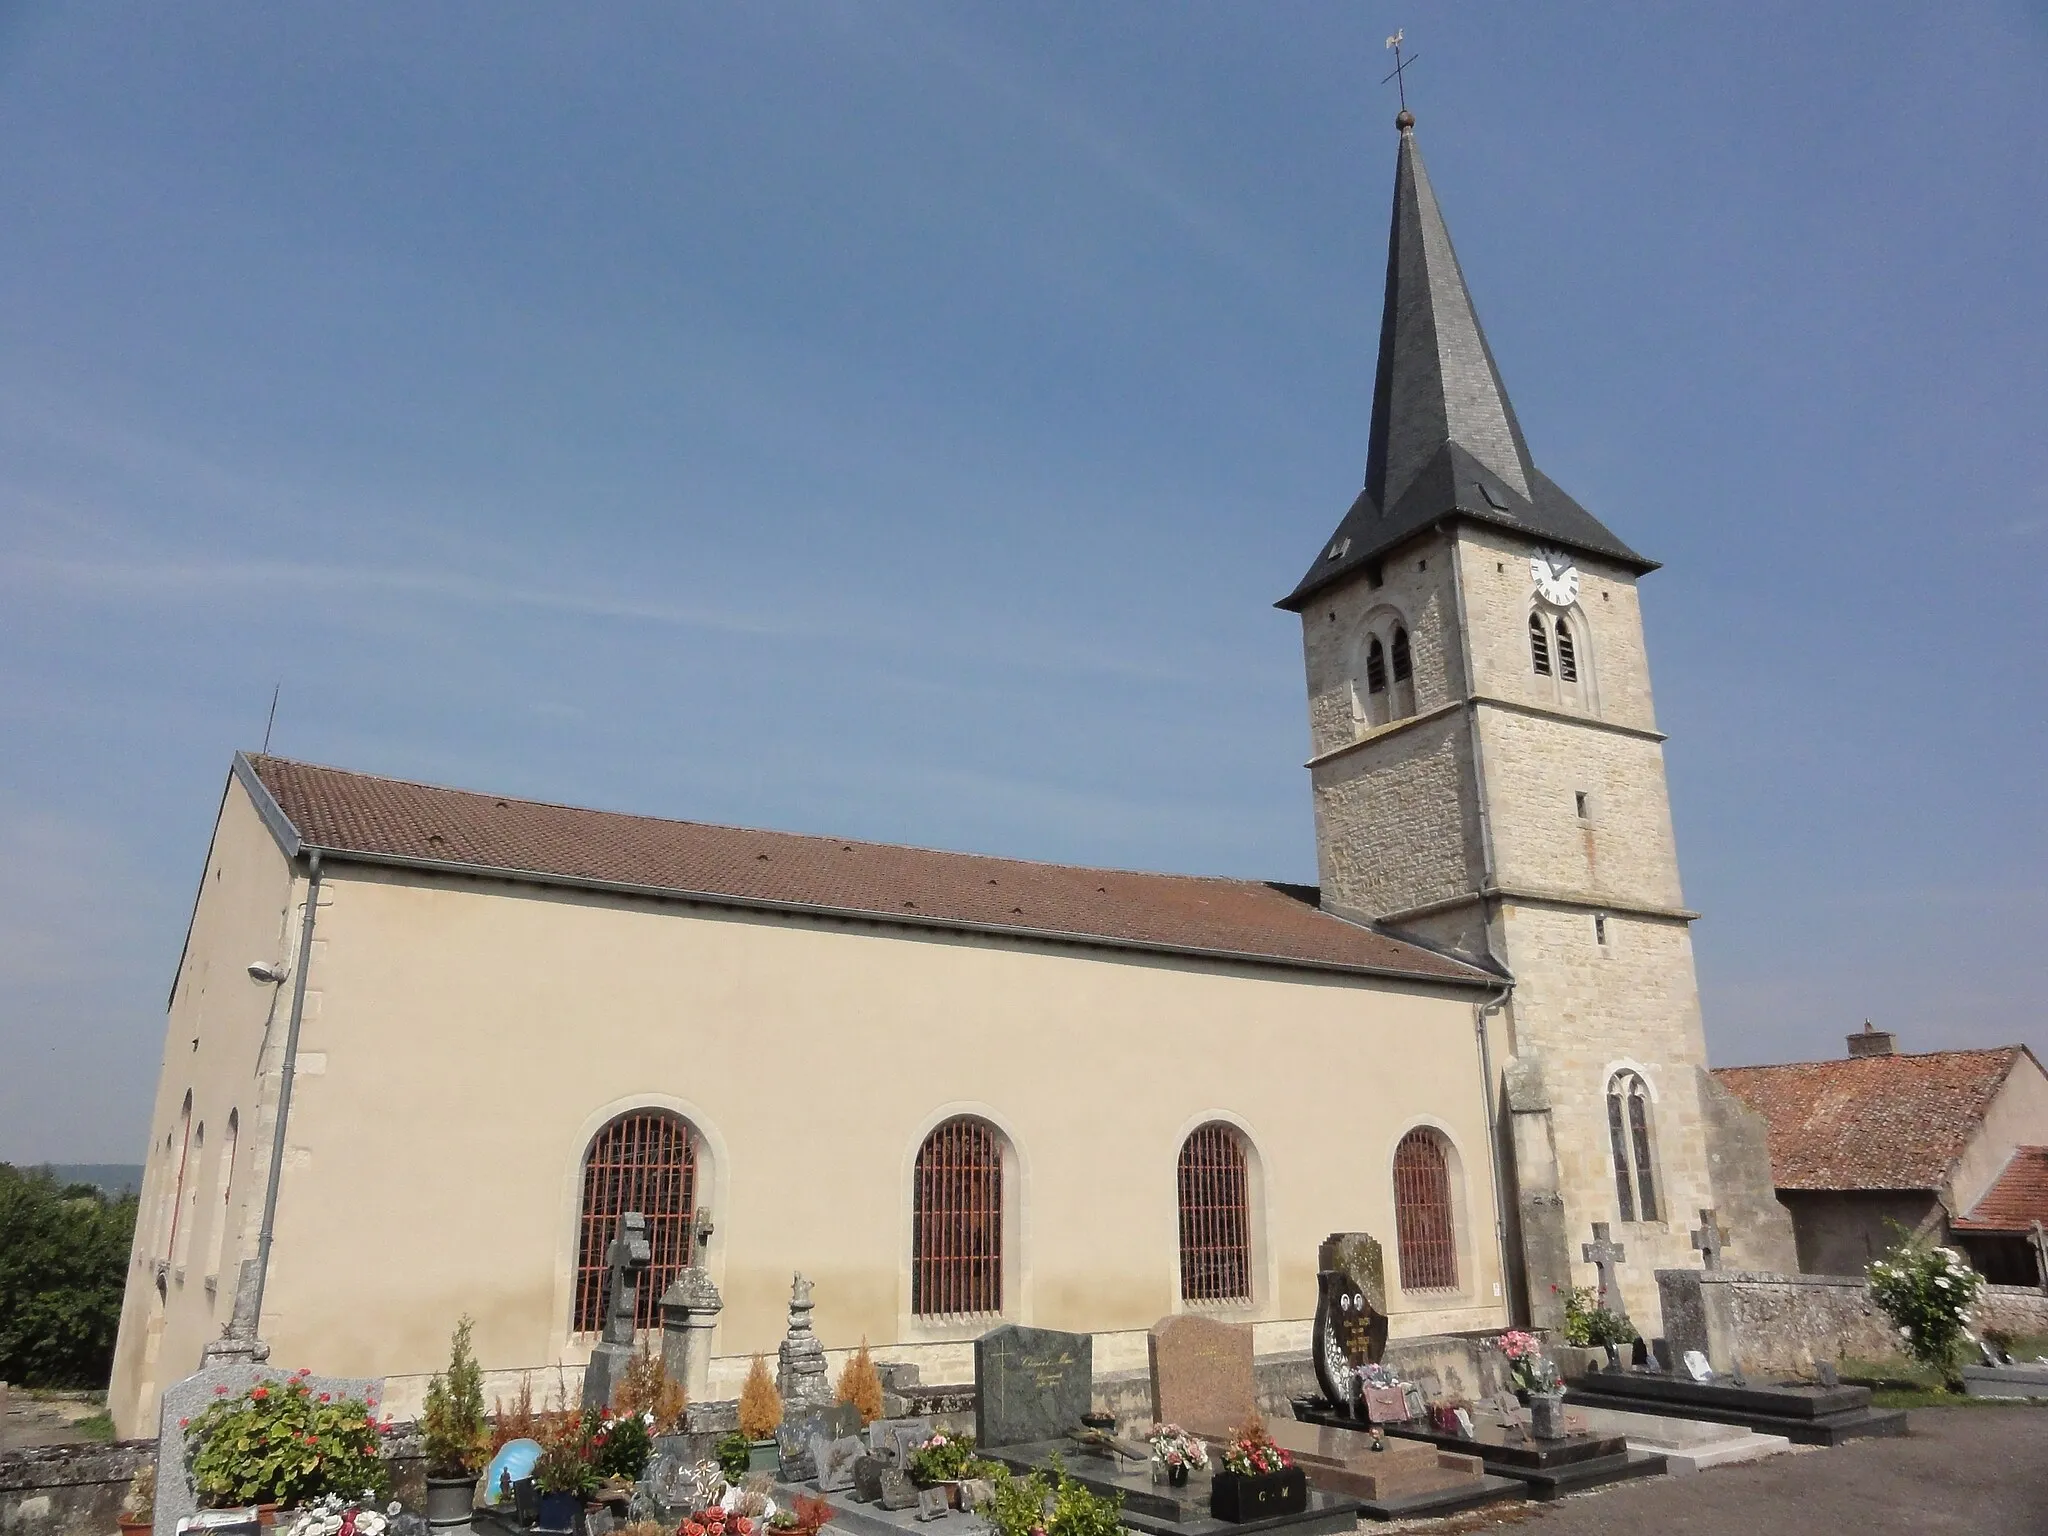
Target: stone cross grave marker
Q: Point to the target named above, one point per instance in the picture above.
(1710, 1239)
(1202, 1375)
(1604, 1255)
(1030, 1384)
(628, 1254)
(2039, 1238)
(800, 1362)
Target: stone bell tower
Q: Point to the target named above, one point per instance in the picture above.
(1489, 778)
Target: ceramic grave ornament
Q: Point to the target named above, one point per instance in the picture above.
(1351, 1313)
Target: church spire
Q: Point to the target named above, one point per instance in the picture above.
(1445, 441)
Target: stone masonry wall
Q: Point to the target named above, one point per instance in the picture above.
(67, 1490)
(1392, 819)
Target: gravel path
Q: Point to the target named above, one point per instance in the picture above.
(1983, 1471)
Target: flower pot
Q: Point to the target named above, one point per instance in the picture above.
(449, 1501)
(762, 1455)
(135, 1525)
(1613, 1356)
(1546, 1415)
(1177, 1475)
(1236, 1497)
(561, 1512)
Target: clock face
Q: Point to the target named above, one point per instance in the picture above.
(1556, 578)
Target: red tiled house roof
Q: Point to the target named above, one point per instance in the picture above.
(2017, 1198)
(390, 821)
(1873, 1122)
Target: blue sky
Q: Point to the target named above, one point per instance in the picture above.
(896, 421)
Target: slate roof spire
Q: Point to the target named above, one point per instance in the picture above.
(1445, 441)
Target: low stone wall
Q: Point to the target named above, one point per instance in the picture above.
(67, 1490)
(2018, 1309)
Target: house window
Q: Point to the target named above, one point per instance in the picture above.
(1567, 659)
(1628, 1135)
(1539, 645)
(1423, 1221)
(645, 1161)
(1375, 667)
(956, 1267)
(1215, 1217)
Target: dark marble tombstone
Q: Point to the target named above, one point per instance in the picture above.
(867, 1478)
(1031, 1384)
(1350, 1327)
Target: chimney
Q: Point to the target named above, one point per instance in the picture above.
(1872, 1042)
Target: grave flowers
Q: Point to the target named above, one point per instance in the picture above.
(1521, 1351)
(1258, 1478)
(335, 1516)
(280, 1444)
(1178, 1452)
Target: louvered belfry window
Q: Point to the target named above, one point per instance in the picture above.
(646, 1162)
(1539, 645)
(1423, 1220)
(1567, 658)
(1215, 1217)
(956, 1267)
(1375, 667)
(1403, 666)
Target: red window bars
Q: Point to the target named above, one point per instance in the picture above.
(956, 1266)
(1422, 1214)
(645, 1162)
(1215, 1217)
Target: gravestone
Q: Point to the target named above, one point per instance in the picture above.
(1828, 1375)
(188, 1399)
(800, 1362)
(793, 1437)
(932, 1504)
(1709, 1240)
(1350, 1328)
(1605, 1255)
(898, 1491)
(628, 1255)
(689, 1313)
(835, 1458)
(976, 1491)
(867, 1478)
(892, 1440)
(1202, 1374)
(1030, 1384)
(1697, 1368)
(1347, 1461)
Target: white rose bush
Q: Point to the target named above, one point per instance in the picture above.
(1927, 1292)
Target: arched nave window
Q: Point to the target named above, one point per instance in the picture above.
(1628, 1133)
(1424, 1222)
(956, 1262)
(177, 1206)
(1539, 645)
(1215, 1216)
(644, 1161)
(224, 1238)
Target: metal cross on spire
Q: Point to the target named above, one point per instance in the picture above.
(1399, 76)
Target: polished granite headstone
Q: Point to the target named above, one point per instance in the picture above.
(1403, 1479)
(1548, 1468)
(1803, 1412)
(1031, 1384)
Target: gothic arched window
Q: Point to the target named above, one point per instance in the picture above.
(645, 1161)
(1539, 645)
(1423, 1220)
(1403, 669)
(223, 1239)
(956, 1262)
(176, 1209)
(1375, 667)
(1628, 1135)
(1567, 658)
(1215, 1216)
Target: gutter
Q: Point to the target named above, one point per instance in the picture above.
(1480, 1013)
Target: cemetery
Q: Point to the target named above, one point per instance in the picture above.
(1367, 1429)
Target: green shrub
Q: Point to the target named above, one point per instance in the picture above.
(454, 1433)
(1927, 1293)
(63, 1266)
(280, 1444)
(734, 1453)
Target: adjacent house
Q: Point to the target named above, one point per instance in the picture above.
(1951, 1145)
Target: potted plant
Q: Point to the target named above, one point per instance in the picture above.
(1609, 1330)
(565, 1475)
(760, 1415)
(735, 1453)
(1257, 1479)
(806, 1516)
(332, 1515)
(455, 1436)
(942, 1461)
(1521, 1351)
(1177, 1453)
(138, 1504)
(1029, 1506)
(280, 1444)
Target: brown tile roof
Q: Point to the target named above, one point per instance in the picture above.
(2017, 1198)
(392, 821)
(1876, 1122)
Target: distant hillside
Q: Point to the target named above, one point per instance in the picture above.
(113, 1178)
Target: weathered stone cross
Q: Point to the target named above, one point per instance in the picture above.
(1709, 1240)
(1604, 1256)
(628, 1254)
(2041, 1254)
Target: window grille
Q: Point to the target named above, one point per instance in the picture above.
(1402, 669)
(1628, 1136)
(645, 1161)
(1423, 1221)
(1567, 658)
(1375, 667)
(1215, 1217)
(956, 1267)
(1539, 645)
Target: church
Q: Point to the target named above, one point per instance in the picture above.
(425, 1045)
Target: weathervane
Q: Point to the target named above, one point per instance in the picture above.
(1399, 77)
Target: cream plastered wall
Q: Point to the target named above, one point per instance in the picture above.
(473, 1037)
(2017, 1117)
(223, 1042)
